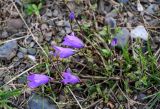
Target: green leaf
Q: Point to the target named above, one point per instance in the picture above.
(4, 95)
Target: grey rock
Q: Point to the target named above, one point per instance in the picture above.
(31, 51)
(60, 23)
(23, 50)
(8, 50)
(4, 34)
(152, 8)
(48, 36)
(44, 26)
(20, 55)
(32, 44)
(123, 1)
(62, 32)
(67, 24)
(55, 13)
(38, 102)
(122, 37)
(14, 24)
(140, 97)
(68, 30)
(49, 13)
(110, 21)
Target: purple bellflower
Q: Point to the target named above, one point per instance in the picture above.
(73, 41)
(69, 78)
(114, 42)
(63, 52)
(71, 15)
(35, 80)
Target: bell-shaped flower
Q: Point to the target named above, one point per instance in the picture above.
(73, 41)
(35, 80)
(63, 52)
(114, 42)
(69, 78)
(71, 15)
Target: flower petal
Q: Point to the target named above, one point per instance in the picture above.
(114, 42)
(71, 15)
(73, 41)
(63, 52)
(69, 78)
(35, 80)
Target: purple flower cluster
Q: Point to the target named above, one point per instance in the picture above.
(36, 80)
(70, 41)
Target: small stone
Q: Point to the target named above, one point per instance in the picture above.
(48, 36)
(8, 50)
(32, 44)
(123, 1)
(44, 26)
(139, 7)
(152, 8)
(4, 34)
(23, 50)
(110, 21)
(31, 57)
(55, 13)
(31, 51)
(14, 24)
(67, 24)
(20, 55)
(49, 13)
(139, 32)
(68, 30)
(60, 23)
(37, 102)
(141, 97)
(62, 32)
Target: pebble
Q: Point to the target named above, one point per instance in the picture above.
(8, 50)
(67, 24)
(23, 50)
(49, 13)
(139, 32)
(123, 1)
(60, 23)
(110, 21)
(37, 102)
(68, 30)
(48, 36)
(140, 97)
(44, 26)
(14, 24)
(152, 8)
(31, 57)
(31, 51)
(62, 32)
(55, 13)
(4, 35)
(32, 44)
(20, 55)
